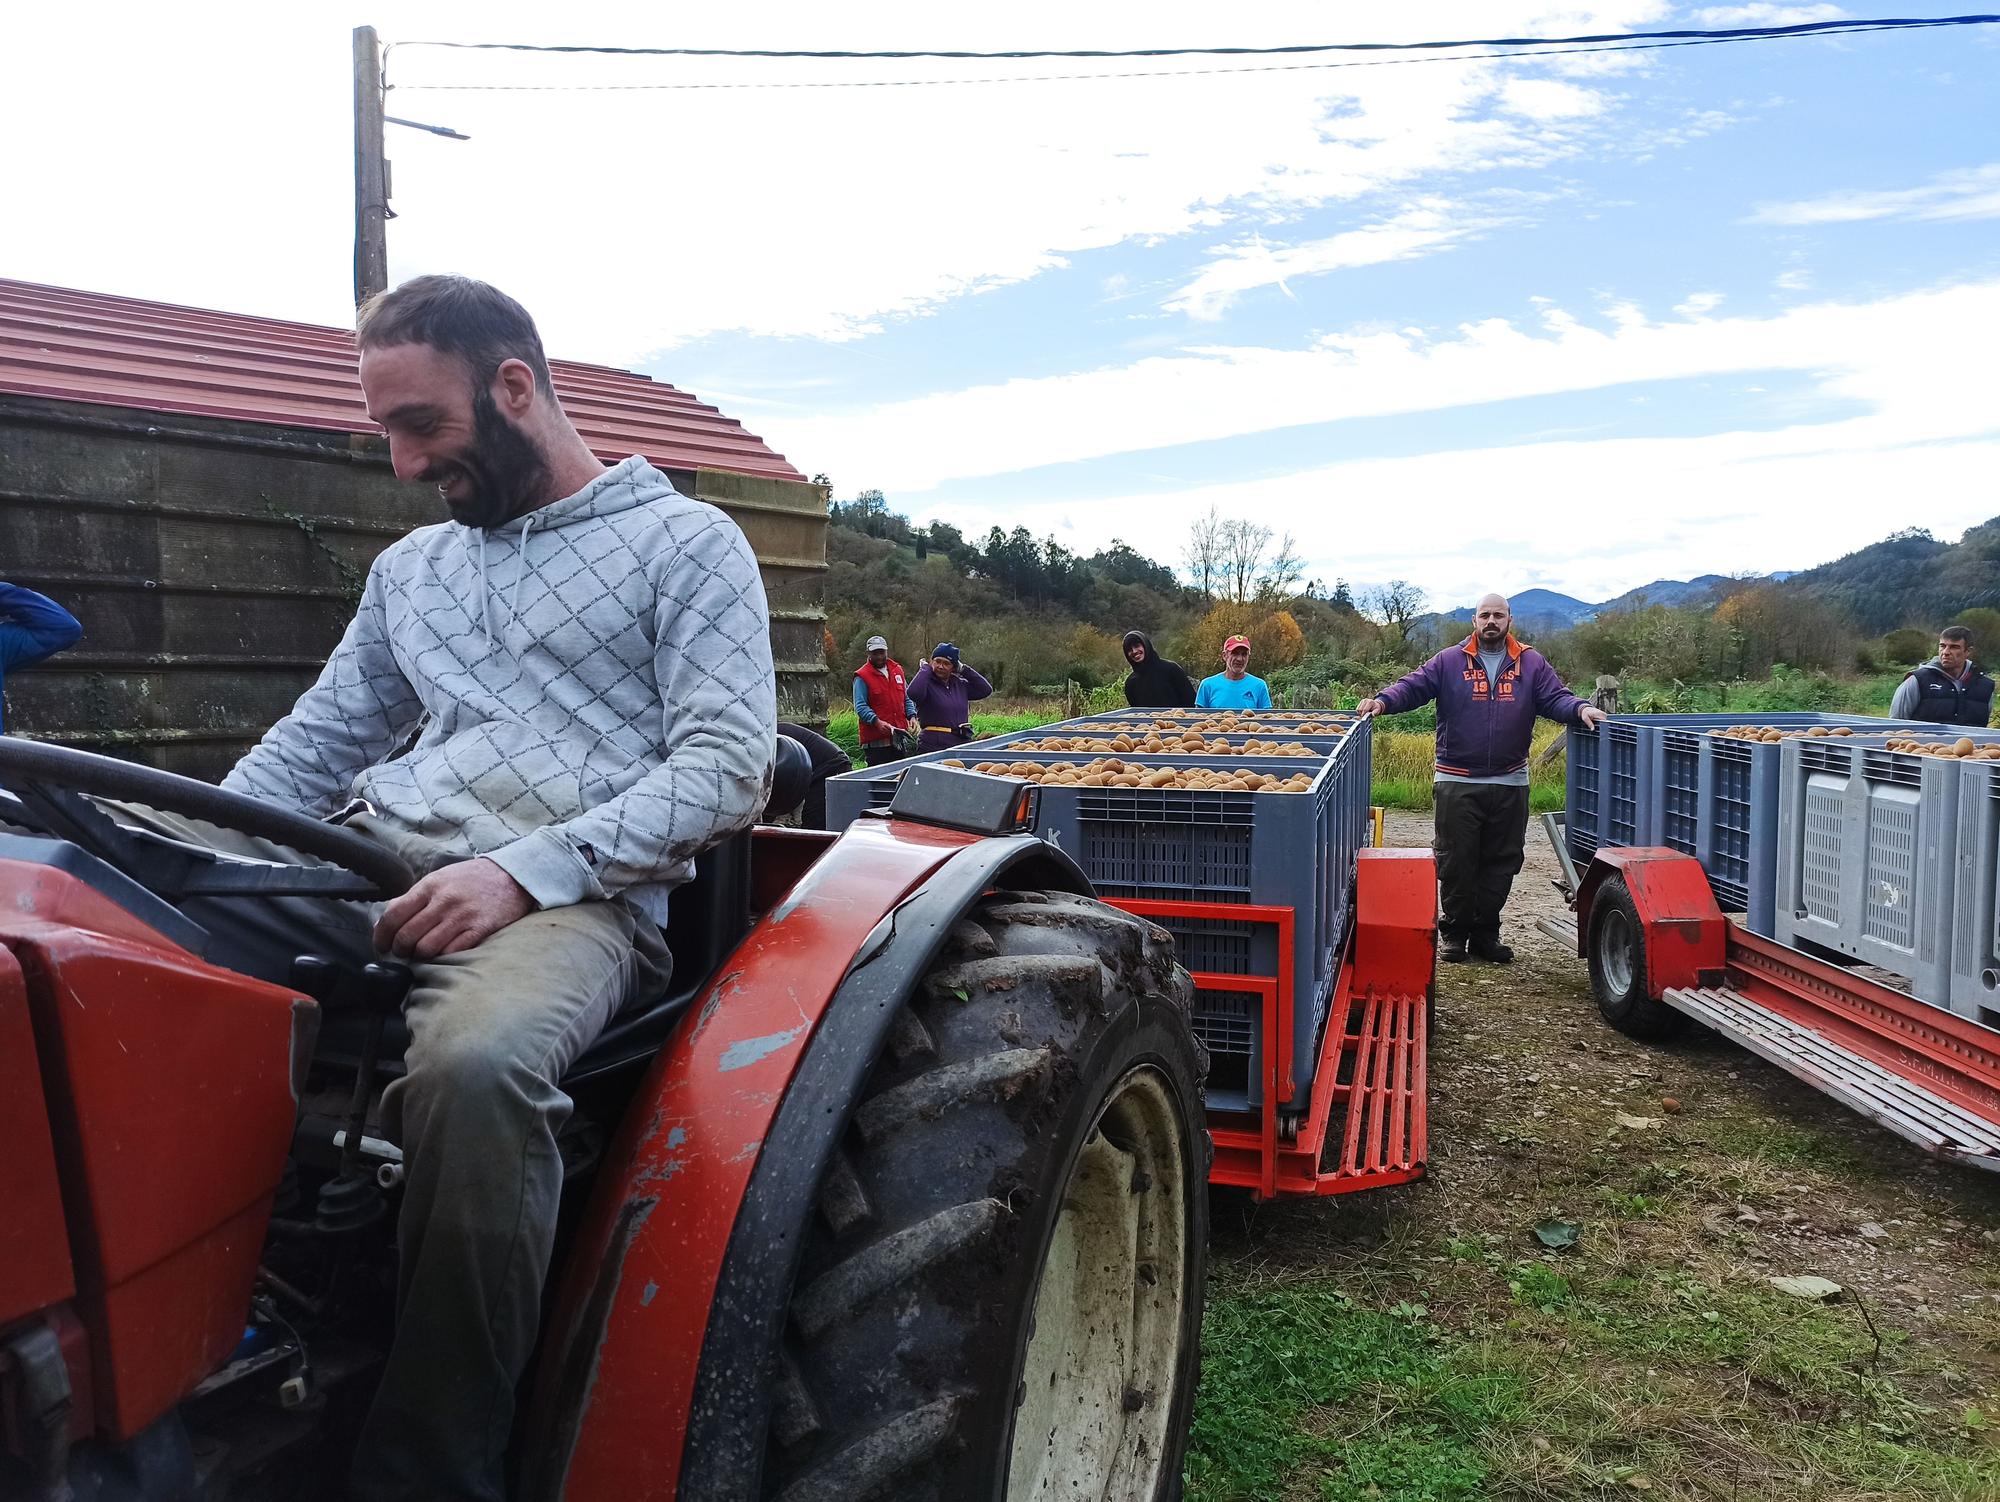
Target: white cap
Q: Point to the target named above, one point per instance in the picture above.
(878, 644)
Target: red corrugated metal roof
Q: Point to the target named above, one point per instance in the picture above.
(118, 351)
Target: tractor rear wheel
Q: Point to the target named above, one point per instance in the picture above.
(1001, 1297)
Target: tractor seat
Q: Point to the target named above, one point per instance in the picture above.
(705, 920)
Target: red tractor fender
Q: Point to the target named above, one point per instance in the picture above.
(1686, 936)
(654, 1372)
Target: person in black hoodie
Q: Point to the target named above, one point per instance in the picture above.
(1154, 682)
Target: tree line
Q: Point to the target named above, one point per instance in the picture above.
(1034, 614)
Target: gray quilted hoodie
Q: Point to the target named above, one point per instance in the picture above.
(593, 683)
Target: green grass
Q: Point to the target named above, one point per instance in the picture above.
(1492, 1376)
(1405, 761)
(1303, 1379)
(1784, 690)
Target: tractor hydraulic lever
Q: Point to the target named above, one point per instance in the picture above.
(353, 1199)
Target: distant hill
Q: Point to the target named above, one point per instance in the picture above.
(1910, 579)
(1550, 610)
(1672, 592)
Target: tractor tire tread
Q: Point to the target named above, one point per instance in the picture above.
(950, 1147)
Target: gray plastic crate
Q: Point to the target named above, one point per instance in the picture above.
(1975, 964)
(1716, 799)
(1867, 855)
(854, 793)
(1263, 717)
(1014, 743)
(1293, 850)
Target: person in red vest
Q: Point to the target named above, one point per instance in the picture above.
(882, 704)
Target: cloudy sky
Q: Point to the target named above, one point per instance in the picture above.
(1579, 322)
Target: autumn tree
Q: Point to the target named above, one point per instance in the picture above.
(1200, 646)
(1276, 641)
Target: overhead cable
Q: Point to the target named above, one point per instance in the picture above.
(1740, 33)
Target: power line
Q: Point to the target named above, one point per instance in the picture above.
(1741, 33)
(1558, 50)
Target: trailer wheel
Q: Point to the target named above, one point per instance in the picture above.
(1001, 1297)
(1618, 966)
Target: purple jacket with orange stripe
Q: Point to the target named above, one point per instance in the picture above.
(1484, 728)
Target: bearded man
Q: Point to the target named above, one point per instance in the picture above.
(582, 655)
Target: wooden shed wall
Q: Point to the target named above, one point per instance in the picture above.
(214, 565)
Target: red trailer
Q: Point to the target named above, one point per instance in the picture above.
(1663, 954)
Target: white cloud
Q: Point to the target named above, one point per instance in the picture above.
(1546, 99)
(1418, 230)
(1907, 351)
(1724, 17)
(1590, 518)
(1797, 279)
(1699, 304)
(1917, 444)
(634, 221)
(1964, 193)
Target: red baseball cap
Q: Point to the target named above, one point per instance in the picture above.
(1236, 641)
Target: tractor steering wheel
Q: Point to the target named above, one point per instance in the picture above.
(49, 784)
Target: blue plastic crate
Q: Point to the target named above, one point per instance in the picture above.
(1609, 769)
(1713, 798)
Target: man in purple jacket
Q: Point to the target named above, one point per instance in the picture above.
(1489, 689)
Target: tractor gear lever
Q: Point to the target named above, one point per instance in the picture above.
(352, 1199)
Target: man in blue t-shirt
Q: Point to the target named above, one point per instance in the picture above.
(1235, 687)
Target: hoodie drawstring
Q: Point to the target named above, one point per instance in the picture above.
(520, 577)
(520, 572)
(485, 621)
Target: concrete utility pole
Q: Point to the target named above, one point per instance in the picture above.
(371, 171)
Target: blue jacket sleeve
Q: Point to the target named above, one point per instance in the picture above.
(861, 709)
(32, 626)
(976, 686)
(1413, 690)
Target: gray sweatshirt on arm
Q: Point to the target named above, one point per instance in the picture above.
(593, 681)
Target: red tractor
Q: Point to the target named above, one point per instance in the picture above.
(899, 1193)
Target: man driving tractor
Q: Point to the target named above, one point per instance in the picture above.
(582, 656)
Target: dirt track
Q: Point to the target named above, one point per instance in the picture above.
(1703, 1380)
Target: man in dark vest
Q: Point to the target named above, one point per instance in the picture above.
(882, 705)
(1947, 690)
